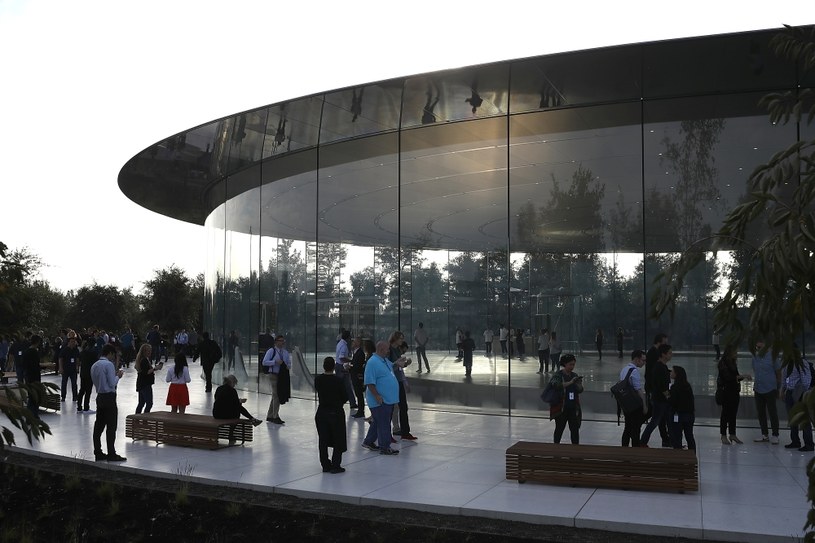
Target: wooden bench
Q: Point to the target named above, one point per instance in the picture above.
(603, 466)
(187, 430)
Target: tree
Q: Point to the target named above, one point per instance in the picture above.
(102, 306)
(775, 274)
(17, 267)
(171, 300)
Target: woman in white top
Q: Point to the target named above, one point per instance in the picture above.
(178, 396)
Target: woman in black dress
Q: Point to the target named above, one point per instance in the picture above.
(330, 417)
(729, 389)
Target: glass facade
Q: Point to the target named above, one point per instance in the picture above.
(539, 193)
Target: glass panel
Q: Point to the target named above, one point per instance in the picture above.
(554, 81)
(713, 64)
(454, 231)
(698, 155)
(456, 95)
(292, 126)
(214, 276)
(361, 111)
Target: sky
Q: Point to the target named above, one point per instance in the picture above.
(86, 85)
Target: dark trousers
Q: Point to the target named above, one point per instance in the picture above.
(85, 388)
(107, 418)
(633, 425)
(730, 407)
(68, 375)
(359, 392)
(765, 403)
(682, 423)
(207, 367)
(659, 416)
(404, 423)
(503, 346)
(421, 353)
(543, 360)
(806, 428)
(572, 417)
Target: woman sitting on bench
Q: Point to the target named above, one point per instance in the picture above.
(228, 406)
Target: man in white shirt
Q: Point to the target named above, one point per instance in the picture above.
(105, 377)
(420, 337)
(489, 335)
(634, 420)
(503, 334)
(274, 358)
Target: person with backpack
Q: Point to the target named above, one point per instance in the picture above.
(634, 419)
(797, 380)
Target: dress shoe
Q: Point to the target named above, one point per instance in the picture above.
(409, 437)
(116, 458)
(807, 448)
(792, 446)
(100, 456)
(735, 439)
(256, 422)
(278, 420)
(337, 470)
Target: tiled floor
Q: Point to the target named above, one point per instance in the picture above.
(751, 492)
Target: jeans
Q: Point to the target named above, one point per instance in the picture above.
(380, 431)
(421, 353)
(659, 416)
(805, 428)
(145, 400)
(765, 403)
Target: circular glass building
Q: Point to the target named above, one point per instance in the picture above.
(540, 193)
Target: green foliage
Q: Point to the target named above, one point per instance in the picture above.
(13, 407)
(172, 300)
(775, 273)
(102, 306)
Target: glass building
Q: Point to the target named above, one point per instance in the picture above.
(545, 192)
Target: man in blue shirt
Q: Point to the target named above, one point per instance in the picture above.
(767, 390)
(105, 377)
(273, 360)
(382, 394)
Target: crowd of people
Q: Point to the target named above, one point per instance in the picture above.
(363, 372)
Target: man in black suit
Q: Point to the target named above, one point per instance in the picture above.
(358, 375)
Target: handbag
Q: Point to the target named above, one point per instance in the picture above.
(551, 394)
(627, 398)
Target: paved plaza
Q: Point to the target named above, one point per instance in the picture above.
(751, 493)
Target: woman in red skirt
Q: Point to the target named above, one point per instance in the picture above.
(178, 397)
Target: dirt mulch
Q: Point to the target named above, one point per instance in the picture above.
(59, 500)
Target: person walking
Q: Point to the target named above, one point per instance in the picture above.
(635, 418)
(660, 381)
(767, 390)
(210, 354)
(554, 350)
(543, 351)
(468, 346)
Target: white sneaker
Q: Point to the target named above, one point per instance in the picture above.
(774, 440)
(762, 439)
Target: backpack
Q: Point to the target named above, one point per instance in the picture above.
(628, 399)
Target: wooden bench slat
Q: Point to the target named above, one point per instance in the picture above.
(189, 430)
(603, 466)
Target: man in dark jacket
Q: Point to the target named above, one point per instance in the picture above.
(659, 381)
(210, 355)
(31, 365)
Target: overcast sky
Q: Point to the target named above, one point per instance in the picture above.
(86, 85)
